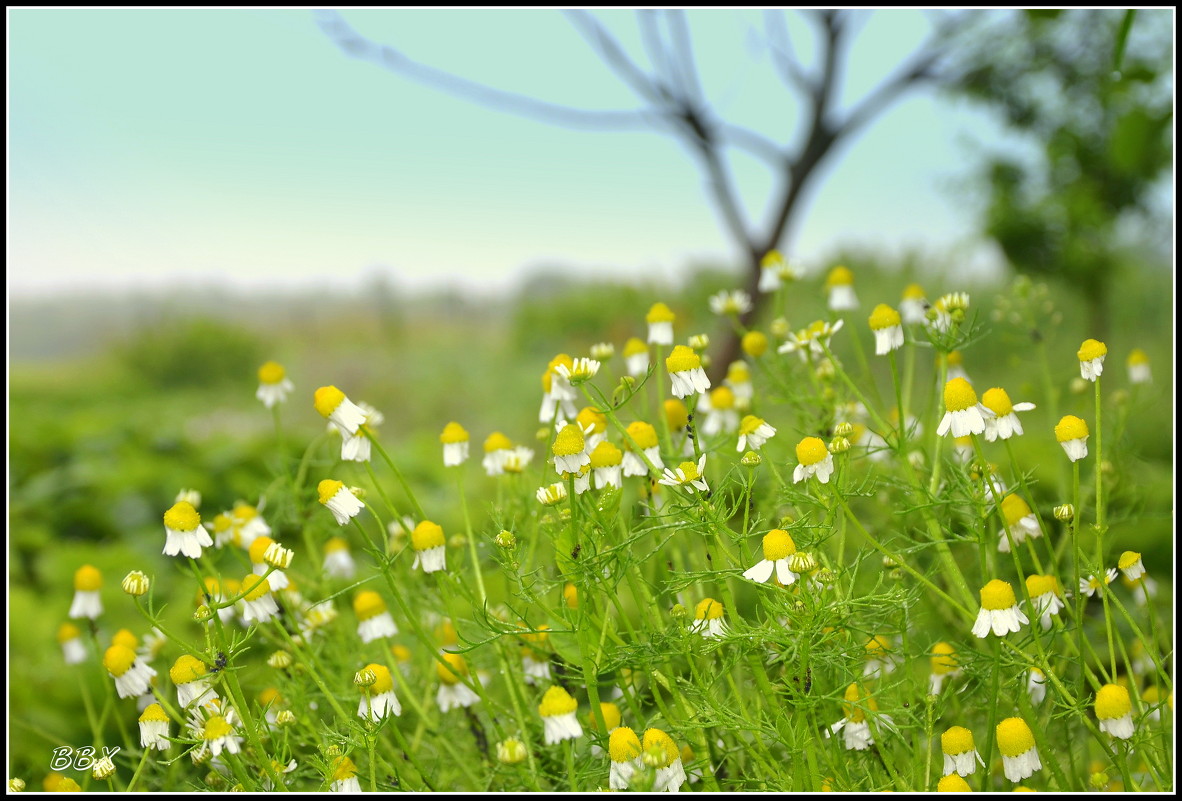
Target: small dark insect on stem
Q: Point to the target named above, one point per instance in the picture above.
(574, 554)
(220, 663)
(477, 731)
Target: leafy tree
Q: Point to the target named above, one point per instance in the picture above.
(1092, 90)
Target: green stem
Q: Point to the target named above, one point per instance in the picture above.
(397, 474)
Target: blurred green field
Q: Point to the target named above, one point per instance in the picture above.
(100, 444)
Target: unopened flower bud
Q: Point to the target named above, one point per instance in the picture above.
(505, 539)
(215, 779)
(511, 751)
(203, 613)
(839, 445)
(802, 562)
(751, 459)
(279, 660)
(780, 328)
(332, 751)
(16, 785)
(238, 788)
(843, 429)
(602, 351)
(365, 678)
(1098, 780)
(699, 342)
(136, 583)
(285, 717)
(678, 612)
(278, 557)
(888, 562)
(825, 577)
(1065, 512)
(623, 390)
(825, 369)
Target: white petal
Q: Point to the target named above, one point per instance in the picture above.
(761, 572)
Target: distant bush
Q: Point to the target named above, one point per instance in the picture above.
(193, 352)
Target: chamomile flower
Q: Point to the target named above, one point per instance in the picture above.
(1046, 597)
(721, 416)
(840, 285)
(623, 749)
(338, 561)
(594, 425)
(559, 716)
(1002, 421)
(754, 344)
(340, 500)
(69, 637)
(685, 372)
(645, 437)
(344, 776)
(1091, 359)
(535, 665)
(558, 396)
(941, 313)
(813, 459)
(999, 611)
(132, 676)
(811, 341)
(87, 601)
(1018, 753)
(185, 535)
(774, 271)
(377, 698)
(192, 680)
(1088, 586)
(708, 619)
(854, 727)
(517, 460)
(570, 449)
(247, 524)
(880, 658)
(606, 465)
(913, 308)
(952, 783)
(215, 730)
(753, 433)
(357, 447)
(887, 326)
(1131, 565)
(1114, 711)
(689, 476)
(374, 620)
(273, 384)
(660, 324)
(496, 448)
(1036, 685)
(659, 751)
(1020, 521)
(453, 693)
(1138, 366)
(960, 753)
(258, 603)
(551, 495)
(339, 410)
(265, 553)
(738, 380)
(430, 547)
(154, 728)
(944, 666)
(579, 371)
(636, 359)
(778, 548)
(455, 444)
(963, 415)
(730, 304)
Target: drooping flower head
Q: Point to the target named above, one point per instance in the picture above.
(1114, 711)
(636, 359)
(184, 532)
(1046, 597)
(1072, 434)
(1138, 366)
(960, 753)
(132, 676)
(840, 284)
(343, 504)
(1002, 421)
(430, 547)
(273, 384)
(258, 603)
(453, 693)
(1016, 743)
(963, 415)
(377, 697)
(570, 449)
(685, 372)
(87, 601)
(1019, 520)
(623, 748)
(455, 444)
(660, 751)
(332, 404)
(559, 719)
(887, 326)
(944, 665)
(813, 459)
(1091, 359)
(660, 324)
(999, 611)
(708, 619)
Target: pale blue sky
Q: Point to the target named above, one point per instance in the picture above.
(242, 148)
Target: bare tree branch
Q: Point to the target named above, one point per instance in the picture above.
(684, 49)
(789, 70)
(754, 143)
(611, 52)
(357, 46)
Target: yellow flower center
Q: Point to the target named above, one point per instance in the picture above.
(222, 523)
(777, 545)
(1128, 559)
(913, 292)
(125, 637)
(750, 424)
(856, 704)
(1069, 428)
(877, 647)
(497, 442)
(426, 535)
(258, 548)
(771, 260)
(657, 740)
(1037, 585)
(557, 701)
(244, 511)
(997, 401)
(327, 399)
(953, 783)
(634, 346)
(943, 658)
(606, 455)
(591, 420)
(957, 740)
(811, 451)
(1112, 701)
(570, 594)
(117, 659)
(401, 652)
(343, 768)
(623, 744)
(458, 664)
(738, 373)
(689, 471)
(328, 488)
(959, 395)
(1091, 349)
(182, 517)
(368, 604)
(87, 579)
(722, 398)
(1137, 357)
(336, 544)
(884, 316)
(216, 728)
(384, 683)
(610, 714)
(659, 313)
(187, 669)
(569, 441)
(269, 697)
(67, 632)
(644, 434)
(154, 713)
(1013, 508)
(839, 276)
(676, 413)
(682, 359)
(452, 433)
(708, 609)
(1014, 737)
(271, 373)
(255, 587)
(754, 344)
(998, 594)
(955, 359)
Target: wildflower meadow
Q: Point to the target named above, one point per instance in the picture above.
(917, 538)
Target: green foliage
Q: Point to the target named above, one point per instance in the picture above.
(190, 352)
